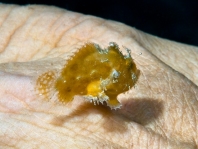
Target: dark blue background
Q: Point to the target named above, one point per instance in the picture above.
(172, 19)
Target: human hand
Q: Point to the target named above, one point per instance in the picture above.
(160, 112)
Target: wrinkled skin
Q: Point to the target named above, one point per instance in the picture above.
(160, 112)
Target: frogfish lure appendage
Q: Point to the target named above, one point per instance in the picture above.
(99, 75)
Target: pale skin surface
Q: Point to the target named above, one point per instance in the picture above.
(160, 112)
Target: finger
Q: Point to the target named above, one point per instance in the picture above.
(151, 84)
(25, 35)
(183, 58)
(37, 123)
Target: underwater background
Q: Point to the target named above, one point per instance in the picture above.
(175, 20)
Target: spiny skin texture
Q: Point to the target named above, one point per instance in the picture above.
(98, 75)
(161, 112)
